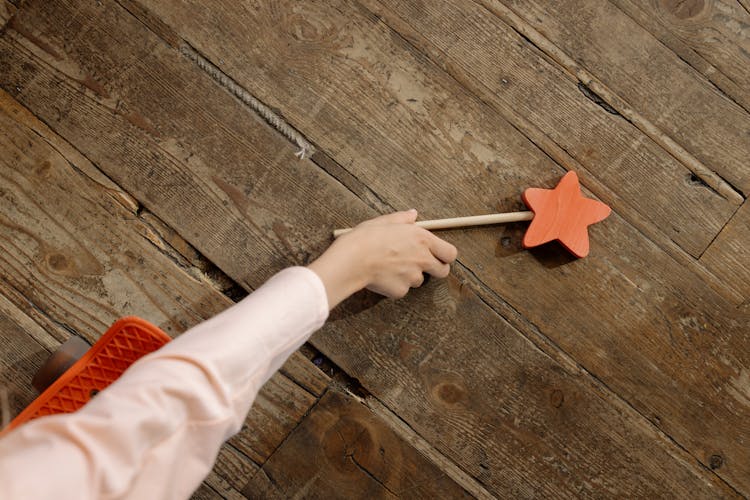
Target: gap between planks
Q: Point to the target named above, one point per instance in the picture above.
(48, 331)
(372, 199)
(174, 248)
(542, 343)
(544, 143)
(157, 232)
(352, 387)
(551, 349)
(718, 233)
(563, 158)
(711, 178)
(722, 82)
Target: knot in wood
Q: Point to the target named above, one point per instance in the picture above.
(683, 9)
(58, 262)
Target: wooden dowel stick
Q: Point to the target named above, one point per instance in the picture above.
(474, 220)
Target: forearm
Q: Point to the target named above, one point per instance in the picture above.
(155, 432)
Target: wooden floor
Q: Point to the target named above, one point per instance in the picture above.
(148, 166)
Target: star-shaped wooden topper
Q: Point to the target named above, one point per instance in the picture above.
(562, 214)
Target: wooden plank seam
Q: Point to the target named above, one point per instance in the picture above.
(712, 179)
(306, 149)
(686, 51)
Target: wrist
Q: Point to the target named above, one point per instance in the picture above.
(342, 274)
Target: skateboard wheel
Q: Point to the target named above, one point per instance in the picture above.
(58, 362)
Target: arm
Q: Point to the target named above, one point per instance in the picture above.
(156, 431)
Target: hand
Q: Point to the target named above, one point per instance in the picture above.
(387, 254)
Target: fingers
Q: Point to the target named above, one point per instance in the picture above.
(405, 217)
(441, 249)
(393, 291)
(438, 269)
(417, 280)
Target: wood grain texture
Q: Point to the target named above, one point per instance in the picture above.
(305, 374)
(729, 255)
(477, 142)
(562, 214)
(84, 272)
(75, 276)
(385, 113)
(342, 447)
(712, 36)
(466, 135)
(281, 408)
(235, 469)
(206, 492)
(7, 9)
(20, 354)
(650, 77)
(496, 424)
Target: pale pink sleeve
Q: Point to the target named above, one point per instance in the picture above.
(156, 431)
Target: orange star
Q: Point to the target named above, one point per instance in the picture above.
(562, 214)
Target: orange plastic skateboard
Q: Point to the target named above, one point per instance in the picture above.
(127, 340)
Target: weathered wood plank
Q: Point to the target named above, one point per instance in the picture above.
(235, 469)
(282, 406)
(476, 145)
(20, 354)
(711, 36)
(206, 492)
(729, 255)
(306, 374)
(7, 9)
(343, 447)
(649, 77)
(80, 277)
(86, 271)
(494, 423)
(628, 296)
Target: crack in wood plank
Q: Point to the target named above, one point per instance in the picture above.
(559, 154)
(67, 167)
(723, 82)
(412, 436)
(156, 231)
(710, 177)
(364, 192)
(550, 348)
(546, 144)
